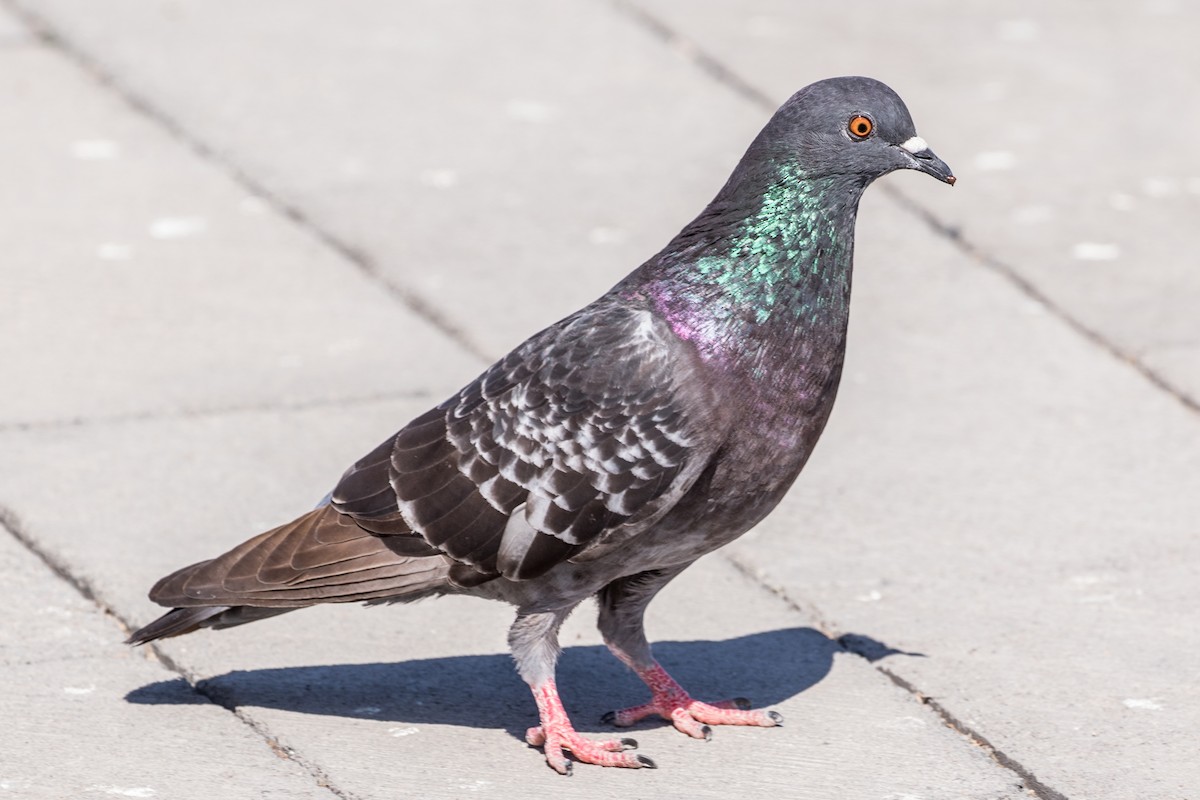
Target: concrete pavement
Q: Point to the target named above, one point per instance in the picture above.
(244, 243)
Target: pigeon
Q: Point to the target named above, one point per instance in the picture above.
(608, 452)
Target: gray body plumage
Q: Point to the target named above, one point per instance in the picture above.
(614, 448)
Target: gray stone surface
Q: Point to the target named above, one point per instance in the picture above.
(454, 144)
(997, 493)
(157, 283)
(68, 731)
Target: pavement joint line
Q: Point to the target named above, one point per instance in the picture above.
(1028, 781)
(52, 38)
(691, 51)
(723, 74)
(156, 415)
(12, 523)
(1027, 287)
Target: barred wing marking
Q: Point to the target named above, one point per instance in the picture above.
(596, 425)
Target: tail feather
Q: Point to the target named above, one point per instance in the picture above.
(179, 621)
(175, 622)
(321, 557)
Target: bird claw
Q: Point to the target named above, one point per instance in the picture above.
(605, 752)
(694, 717)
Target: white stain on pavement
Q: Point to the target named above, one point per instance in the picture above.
(1143, 703)
(95, 149)
(177, 227)
(1018, 30)
(530, 111)
(439, 178)
(1095, 251)
(398, 732)
(114, 251)
(136, 791)
(995, 161)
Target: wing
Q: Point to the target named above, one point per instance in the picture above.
(589, 431)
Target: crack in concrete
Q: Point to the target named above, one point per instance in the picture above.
(207, 412)
(12, 523)
(48, 35)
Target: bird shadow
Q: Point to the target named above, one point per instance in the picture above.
(483, 691)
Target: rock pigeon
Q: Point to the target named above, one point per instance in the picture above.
(611, 450)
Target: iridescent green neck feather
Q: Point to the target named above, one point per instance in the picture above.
(758, 287)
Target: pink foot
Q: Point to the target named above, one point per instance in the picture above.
(556, 735)
(670, 701)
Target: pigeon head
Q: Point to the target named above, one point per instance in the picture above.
(849, 127)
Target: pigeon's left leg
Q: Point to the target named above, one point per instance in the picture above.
(533, 639)
(622, 609)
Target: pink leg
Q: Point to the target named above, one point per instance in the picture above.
(669, 700)
(556, 734)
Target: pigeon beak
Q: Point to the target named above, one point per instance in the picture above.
(925, 161)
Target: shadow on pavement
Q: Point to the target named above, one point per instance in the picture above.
(484, 691)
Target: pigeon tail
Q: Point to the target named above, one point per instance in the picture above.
(176, 622)
(321, 557)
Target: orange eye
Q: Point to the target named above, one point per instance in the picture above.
(860, 127)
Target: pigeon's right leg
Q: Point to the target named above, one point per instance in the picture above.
(622, 611)
(533, 639)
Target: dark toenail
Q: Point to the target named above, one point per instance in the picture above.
(776, 717)
(742, 703)
(609, 718)
(629, 744)
(707, 731)
(647, 762)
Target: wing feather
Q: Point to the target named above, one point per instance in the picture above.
(589, 431)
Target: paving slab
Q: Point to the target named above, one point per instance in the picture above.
(1064, 122)
(518, 168)
(423, 700)
(995, 492)
(68, 731)
(139, 279)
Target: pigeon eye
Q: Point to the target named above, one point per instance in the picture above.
(860, 127)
